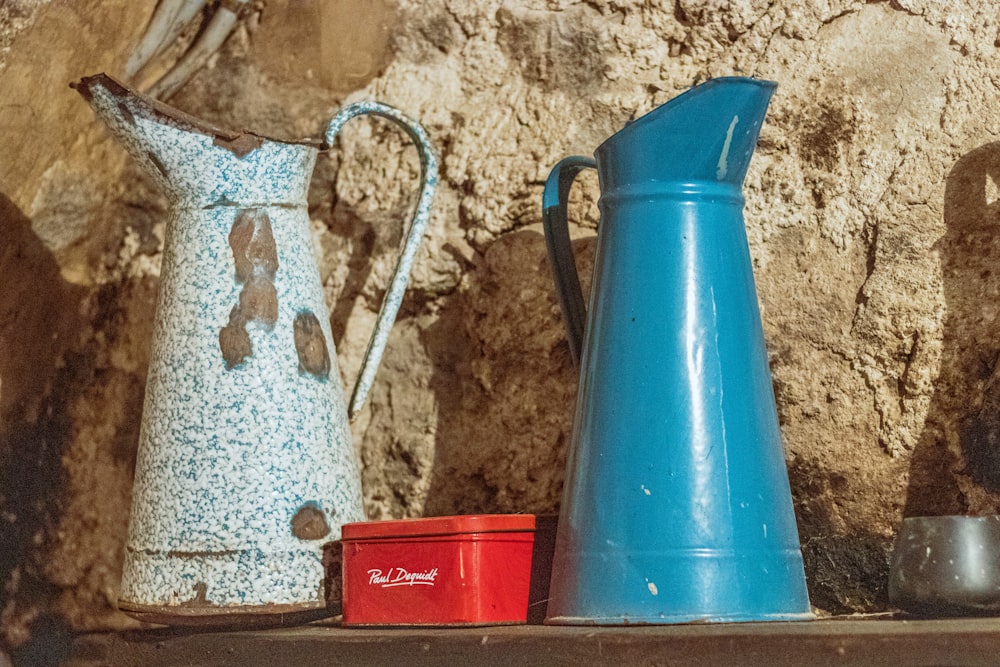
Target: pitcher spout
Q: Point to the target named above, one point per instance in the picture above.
(197, 164)
(706, 135)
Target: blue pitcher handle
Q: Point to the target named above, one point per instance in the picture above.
(401, 273)
(554, 202)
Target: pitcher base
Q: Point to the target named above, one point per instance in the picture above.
(678, 619)
(250, 616)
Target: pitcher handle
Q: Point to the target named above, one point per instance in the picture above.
(401, 273)
(555, 198)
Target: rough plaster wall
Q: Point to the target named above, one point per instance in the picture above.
(871, 205)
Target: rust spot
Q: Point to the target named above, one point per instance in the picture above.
(156, 163)
(184, 554)
(221, 201)
(252, 241)
(311, 345)
(240, 237)
(197, 554)
(309, 523)
(234, 341)
(241, 144)
(115, 88)
(255, 257)
(83, 87)
(200, 598)
(259, 302)
(126, 113)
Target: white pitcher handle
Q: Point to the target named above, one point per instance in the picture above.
(401, 274)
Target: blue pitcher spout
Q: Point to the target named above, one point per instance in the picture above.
(231, 168)
(706, 135)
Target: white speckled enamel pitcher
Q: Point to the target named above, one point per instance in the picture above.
(245, 465)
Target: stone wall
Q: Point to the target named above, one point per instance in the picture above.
(871, 205)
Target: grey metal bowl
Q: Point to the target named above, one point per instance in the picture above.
(947, 566)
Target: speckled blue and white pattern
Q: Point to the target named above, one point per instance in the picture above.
(401, 274)
(228, 457)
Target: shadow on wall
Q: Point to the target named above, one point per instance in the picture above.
(39, 319)
(505, 385)
(845, 573)
(961, 435)
(359, 269)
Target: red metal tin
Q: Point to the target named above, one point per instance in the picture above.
(457, 570)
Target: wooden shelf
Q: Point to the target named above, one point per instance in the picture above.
(851, 641)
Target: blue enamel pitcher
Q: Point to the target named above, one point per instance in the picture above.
(676, 506)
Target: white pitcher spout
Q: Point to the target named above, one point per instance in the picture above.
(196, 163)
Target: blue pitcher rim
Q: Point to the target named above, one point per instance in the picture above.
(685, 96)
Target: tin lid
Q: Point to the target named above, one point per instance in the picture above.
(439, 525)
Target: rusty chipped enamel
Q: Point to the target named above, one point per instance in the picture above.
(245, 465)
